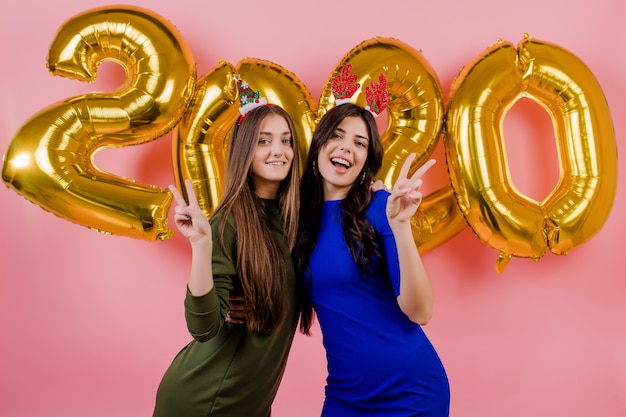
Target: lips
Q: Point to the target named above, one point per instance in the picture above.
(336, 161)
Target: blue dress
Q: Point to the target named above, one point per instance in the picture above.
(379, 362)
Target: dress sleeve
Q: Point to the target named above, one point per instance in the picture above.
(388, 241)
(205, 314)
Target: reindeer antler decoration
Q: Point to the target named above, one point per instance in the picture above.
(344, 85)
(377, 97)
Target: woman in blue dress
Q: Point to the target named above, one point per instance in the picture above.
(363, 276)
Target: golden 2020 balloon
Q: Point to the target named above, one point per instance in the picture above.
(49, 160)
(415, 116)
(482, 93)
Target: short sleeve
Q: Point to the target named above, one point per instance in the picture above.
(378, 217)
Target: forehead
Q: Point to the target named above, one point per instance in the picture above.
(354, 125)
(274, 123)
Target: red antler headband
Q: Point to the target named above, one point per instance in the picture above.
(344, 85)
(248, 99)
(376, 95)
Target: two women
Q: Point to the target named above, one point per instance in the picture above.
(358, 264)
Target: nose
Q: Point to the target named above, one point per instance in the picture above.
(277, 149)
(344, 148)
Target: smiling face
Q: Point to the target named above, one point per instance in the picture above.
(272, 157)
(342, 158)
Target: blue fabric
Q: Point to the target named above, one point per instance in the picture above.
(379, 362)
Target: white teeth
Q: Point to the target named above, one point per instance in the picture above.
(278, 164)
(340, 161)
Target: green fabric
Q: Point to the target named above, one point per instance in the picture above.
(226, 371)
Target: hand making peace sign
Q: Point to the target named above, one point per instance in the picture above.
(406, 196)
(190, 219)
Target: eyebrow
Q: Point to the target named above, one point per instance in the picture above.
(358, 136)
(286, 132)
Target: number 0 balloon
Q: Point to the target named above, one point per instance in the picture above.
(481, 95)
(415, 121)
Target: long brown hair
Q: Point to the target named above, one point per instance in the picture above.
(359, 233)
(261, 264)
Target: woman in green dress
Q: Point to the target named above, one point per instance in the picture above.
(243, 250)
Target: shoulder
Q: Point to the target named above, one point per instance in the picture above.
(216, 218)
(377, 210)
(226, 239)
(377, 214)
(379, 199)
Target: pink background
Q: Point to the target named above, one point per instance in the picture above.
(89, 323)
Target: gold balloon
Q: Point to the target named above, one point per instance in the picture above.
(283, 88)
(415, 121)
(49, 161)
(201, 138)
(481, 95)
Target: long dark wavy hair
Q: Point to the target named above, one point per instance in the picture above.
(260, 262)
(359, 233)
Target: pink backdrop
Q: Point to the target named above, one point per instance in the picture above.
(89, 323)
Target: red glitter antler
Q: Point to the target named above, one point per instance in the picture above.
(344, 85)
(377, 98)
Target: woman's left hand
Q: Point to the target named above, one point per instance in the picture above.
(235, 314)
(406, 196)
(377, 185)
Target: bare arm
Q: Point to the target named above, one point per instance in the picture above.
(416, 292)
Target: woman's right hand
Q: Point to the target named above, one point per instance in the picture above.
(189, 218)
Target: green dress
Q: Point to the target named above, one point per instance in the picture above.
(226, 371)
